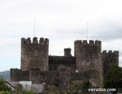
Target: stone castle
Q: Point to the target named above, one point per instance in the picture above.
(88, 62)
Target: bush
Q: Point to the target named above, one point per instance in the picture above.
(3, 86)
(5, 92)
(29, 92)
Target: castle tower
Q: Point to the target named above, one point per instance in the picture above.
(88, 59)
(34, 54)
(109, 59)
(67, 52)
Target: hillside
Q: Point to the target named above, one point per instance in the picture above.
(5, 74)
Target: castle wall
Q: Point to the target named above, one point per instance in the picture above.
(56, 61)
(109, 59)
(49, 77)
(88, 58)
(34, 75)
(87, 63)
(34, 54)
(24, 75)
(18, 75)
(15, 74)
(56, 78)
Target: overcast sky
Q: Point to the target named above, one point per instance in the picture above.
(62, 21)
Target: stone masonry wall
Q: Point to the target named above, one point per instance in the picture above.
(34, 54)
(88, 58)
(109, 59)
(19, 75)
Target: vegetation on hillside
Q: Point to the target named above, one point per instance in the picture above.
(5, 74)
(4, 89)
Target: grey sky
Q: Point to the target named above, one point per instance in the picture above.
(62, 21)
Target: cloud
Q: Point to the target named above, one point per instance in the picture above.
(104, 31)
(62, 21)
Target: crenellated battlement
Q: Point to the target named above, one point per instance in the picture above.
(37, 66)
(35, 40)
(116, 52)
(85, 42)
(110, 52)
(32, 50)
(90, 42)
(88, 56)
(109, 58)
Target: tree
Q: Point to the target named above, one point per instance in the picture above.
(85, 86)
(3, 86)
(113, 79)
(6, 92)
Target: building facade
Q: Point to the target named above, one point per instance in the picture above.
(37, 66)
